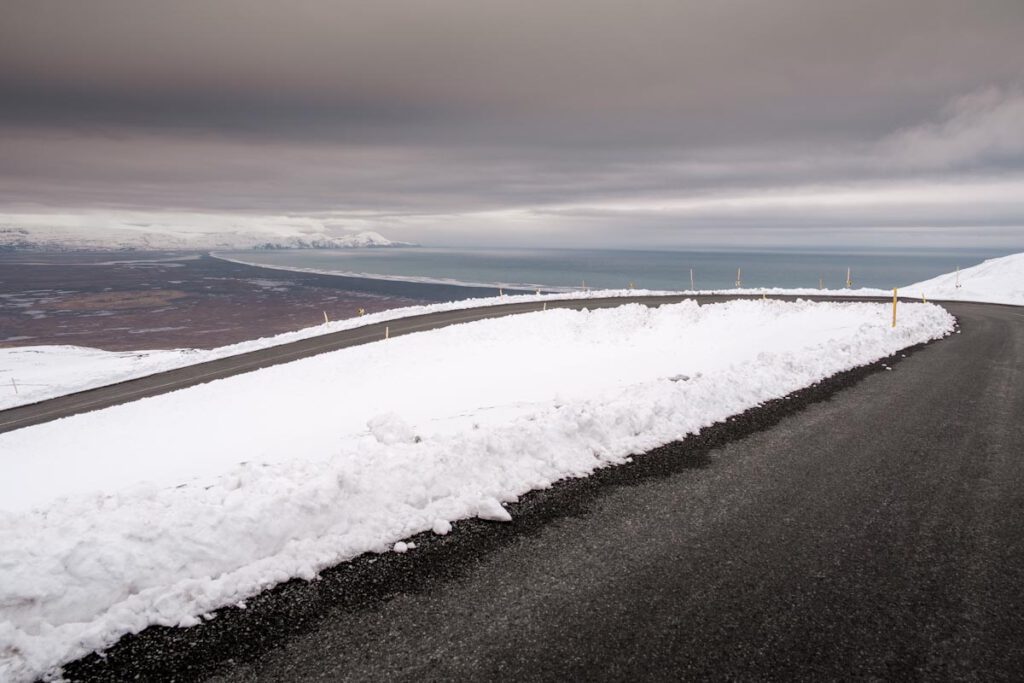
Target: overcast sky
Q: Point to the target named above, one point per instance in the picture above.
(631, 123)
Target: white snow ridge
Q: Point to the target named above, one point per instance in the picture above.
(161, 510)
(998, 281)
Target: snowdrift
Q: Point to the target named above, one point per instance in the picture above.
(997, 281)
(43, 372)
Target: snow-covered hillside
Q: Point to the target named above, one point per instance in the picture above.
(151, 238)
(160, 510)
(998, 281)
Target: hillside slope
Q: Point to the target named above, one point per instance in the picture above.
(998, 281)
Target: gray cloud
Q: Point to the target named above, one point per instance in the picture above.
(423, 116)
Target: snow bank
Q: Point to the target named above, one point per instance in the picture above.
(35, 373)
(163, 509)
(998, 281)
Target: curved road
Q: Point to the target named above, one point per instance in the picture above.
(869, 527)
(172, 380)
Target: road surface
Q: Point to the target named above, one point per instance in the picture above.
(868, 527)
(172, 380)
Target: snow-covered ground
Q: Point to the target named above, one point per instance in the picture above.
(158, 511)
(34, 373)
(998, 281)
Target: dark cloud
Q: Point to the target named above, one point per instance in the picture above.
(448, 108)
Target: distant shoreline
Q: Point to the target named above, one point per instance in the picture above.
(484, 287)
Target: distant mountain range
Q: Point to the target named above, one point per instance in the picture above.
(149, 239)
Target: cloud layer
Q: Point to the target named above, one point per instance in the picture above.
(657, 123)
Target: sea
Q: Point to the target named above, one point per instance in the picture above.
(570, 269)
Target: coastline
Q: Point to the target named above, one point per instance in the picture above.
(490, 290)
(939, 289)
(487, 287)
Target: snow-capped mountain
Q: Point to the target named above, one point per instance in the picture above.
(354, 240)
(65, 238)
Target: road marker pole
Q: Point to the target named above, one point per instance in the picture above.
(849, 282)
(692, 288)
(387, 332)
(739, 278)
(501, 292)
(545, 306)
(325, 317)
(894, 307)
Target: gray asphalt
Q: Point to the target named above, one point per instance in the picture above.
(165, 382)
(869, 527)
(876, 534)
(172, 380)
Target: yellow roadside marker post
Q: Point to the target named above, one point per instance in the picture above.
(894, 307)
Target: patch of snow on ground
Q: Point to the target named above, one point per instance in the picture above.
(29, 374)
(34, 373)
(998, 281)
(161, 510)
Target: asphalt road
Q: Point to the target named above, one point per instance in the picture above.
(867, 527)
(165, 382)
(172, 380)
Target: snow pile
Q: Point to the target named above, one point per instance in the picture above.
(35, 373)
(161, 510)
(998, 281)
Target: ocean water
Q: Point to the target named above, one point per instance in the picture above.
(571, 268)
